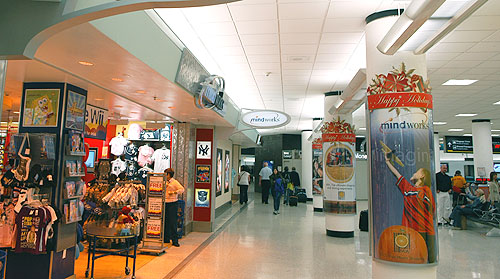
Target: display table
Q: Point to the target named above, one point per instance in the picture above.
(94, 237)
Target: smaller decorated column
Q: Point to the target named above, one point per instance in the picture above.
(339, 186)
(317, 177)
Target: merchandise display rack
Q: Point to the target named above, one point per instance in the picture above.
(152, 241)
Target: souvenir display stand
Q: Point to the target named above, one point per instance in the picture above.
(155, 214)
(51, 114)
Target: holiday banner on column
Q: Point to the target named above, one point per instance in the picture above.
(317, 152)
(339, 188)
(402, 168)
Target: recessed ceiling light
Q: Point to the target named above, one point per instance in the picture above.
(118, 106)
(99, 99)
(455, 130)
(16, 112)
(362, 129)
(466, 114)
(85, 63)
(158, 100)
(117, 79)
(460, 82)
(140, 91)
(439, 123)
(171, 107)
(467, 135)
(134, 112)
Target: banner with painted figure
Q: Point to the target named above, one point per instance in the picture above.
(339, 187)
(402, 169)
(317, 152)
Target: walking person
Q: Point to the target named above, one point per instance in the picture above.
(278, 191)
(493, 185)
(288, 185)
(443, 200)
(295, 180)
(243, 182)
(264, 182)
(172, 191)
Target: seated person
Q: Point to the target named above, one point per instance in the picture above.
(477, 202)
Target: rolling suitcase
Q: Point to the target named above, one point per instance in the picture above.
(293, 201)
(363, 220)
(302, 197)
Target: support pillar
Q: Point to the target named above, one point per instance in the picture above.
(306, 177)
(483, 148)
(400, 149)
(317, 168)
(339, 196)
(437, 155)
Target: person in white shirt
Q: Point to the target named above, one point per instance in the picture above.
(265, 183)
(243, 182)
(172, 191)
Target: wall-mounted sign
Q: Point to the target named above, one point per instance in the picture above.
(75, 111)
(496, 145)
(265, 119)
(211, 95)
(96, 122)
(287, 154)
(458, 144)
(202, 198)
(203, 150)
(41, 107)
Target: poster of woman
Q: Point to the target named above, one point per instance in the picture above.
(218, 188)
(227, 163)
(402, 180)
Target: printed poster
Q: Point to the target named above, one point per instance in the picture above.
(155, 207)
(203, 150)
(96, 122)
(202, 198)
(153, 228)
(41, 107)
(155, 186)
(202, 173)
(75, 111)
(227, 167)
(219, 173)
(338, 164)
(317, 153)
(402, 169)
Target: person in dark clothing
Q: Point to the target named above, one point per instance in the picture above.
(294, 176)
(477, 202)
(288, 187)
(444, 201)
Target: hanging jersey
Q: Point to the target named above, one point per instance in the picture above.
(161, 158)
(143, 175)
(131, 170)
(131, 152)
(118, 166)
(118, 145)
(145, 153)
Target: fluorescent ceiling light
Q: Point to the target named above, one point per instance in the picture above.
(85, 63)
(466, 114)
(16, 112)
(441, 138)
(495, 130)
(467, 135)
(455, 130)
(495, 135)
(497, 103)
(439, 123)
(460, 82)
(362, 129)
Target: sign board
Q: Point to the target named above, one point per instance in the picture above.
(96, 122)
(458, 144)
(155, 215)
(496, 145)
(203, 150)
(211, 95)
(265, 119)
(287, 154)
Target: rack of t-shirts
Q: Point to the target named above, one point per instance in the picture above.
(124, 193)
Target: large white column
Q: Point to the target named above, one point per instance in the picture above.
(379, 63)
(306, 177)
(337, 225)
(318, 198)
(437, 155)
(483, 148)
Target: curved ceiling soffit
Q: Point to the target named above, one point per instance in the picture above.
(78, 17)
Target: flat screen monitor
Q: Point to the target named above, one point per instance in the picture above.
(90, 163)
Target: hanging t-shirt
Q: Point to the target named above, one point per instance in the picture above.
(131, 152)
(118, 145)
(134, 131)
(31, 224)
(131, 171)
(7, 219)
(145, 153)
(118, 166)
(143, 174)
(161, 157)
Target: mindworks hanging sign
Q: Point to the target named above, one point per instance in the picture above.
(265, 119)
(402, 168)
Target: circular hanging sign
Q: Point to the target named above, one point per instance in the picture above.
(265, 119)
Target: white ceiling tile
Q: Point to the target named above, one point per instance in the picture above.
(257, 27)
(339, 37)
(461, 64)
(259, 39)
(329, 57)
(303, 10)
(294, 88)
(452, 47)
(486, 47)
(360, 9)
(266, 66)
(298, 82)
(441, 55)
(266, 50)
(299, 38)
(435, 64)
(287, 72)
(263, 58)
(321, 73)
(490, 8)
(328, 66)
(336, 48)
(253, 12)
(221, 41)
(464, 36)
(215, 28)
(299, 49)
(476, 56)
(480, 23)
(218, 13)
(230, 51)
(301, 26)
(495, 37)
(333, 25)
(297, 66)
(489, 64)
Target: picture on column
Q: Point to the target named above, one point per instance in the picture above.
(227, 167)
(218, 185)
(41, 107)
(317, 167)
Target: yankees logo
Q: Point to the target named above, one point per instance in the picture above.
(203, 150)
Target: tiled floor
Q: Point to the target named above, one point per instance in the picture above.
(258, 244)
